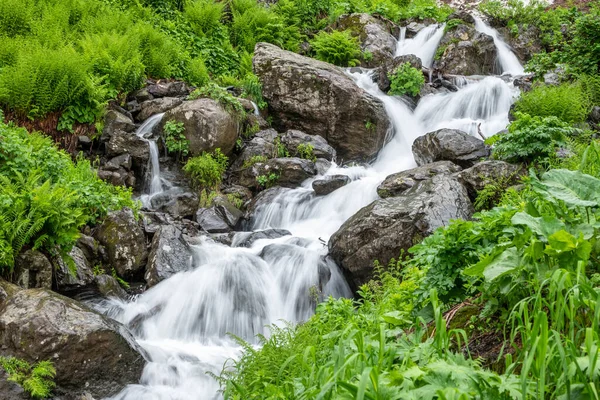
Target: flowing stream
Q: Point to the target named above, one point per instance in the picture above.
(153, 184)
(184, 321)
(423, 45)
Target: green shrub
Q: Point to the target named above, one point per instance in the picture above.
(254, 160)
(267, 181)
(453, 23)
(37, 380)
(338, 47)
(206, 171)
(567, 102)
(221, 95)
(175, 139)
(197, 73)
(306, 151)
(204, 16)
(407, 80)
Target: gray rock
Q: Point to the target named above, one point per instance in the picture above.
(92, 250)
(227, 211)
(122, 142)
(11, 390)
(526, 42)
(398, 183)
(211, 221)
(264, 198)
(467, 52)
(329, 184)
(33, 270)
(247, 239)
(321, 149)
(141, 95)
(168, 89)
(169, 254)
(382, 229)
(74, 274)
(487, 172)
(322, 165)
(119, 177)
(292, 171)
(595, 115)
(115, 121)
(90, 352)
(176, 202)
(260, 146)
(449, 145)
(319, 98)
(118, 162)
(124, 241)
(157, 106)
(413, 28)
(108, 286)
(208, 125)
(240, 192)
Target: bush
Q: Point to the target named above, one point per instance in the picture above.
(306, 151)
(37, 380)
(204, 16)
(221, 95)
(175, 140)
(407, 80)
(206, 171)
(197, 73)
(337, 47)
(568, 102)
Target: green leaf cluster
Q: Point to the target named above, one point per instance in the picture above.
(175, 139)
(37, 380)
(406, 80)
(337, 47)
(206, 171)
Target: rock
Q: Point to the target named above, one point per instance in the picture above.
(11, 390)
(382, 229)
(595, 115)
(466, 52)
(84, 142)
(463, 16)
(122, 142)
(124, 241)
(449, 145)
(89, 351)
(118, 162)
(525, 83)
(321, 149)
(525, 42)
(211, 221)
(329, 184)
(227, 211)
(74, 274)
(375, 36)
(115, 121)
(413, 28)
(176, 202)
(552, 79)
(169, 254)
(492, 171)
(92, 250)
(108, 286)
(119, 177)
(247, 239)
(392, 66)
(264, 198)
(208, 125)
(319, 98)
(259, 146)
(398, 183)
(141, 95)
(240, 192)
(322, 165)
(168, 89)
(157, 106)
(33, 270)
(292, 171)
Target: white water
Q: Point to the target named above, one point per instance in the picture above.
(183, 322)
(153, 184)
(509, 63)
(423, 45)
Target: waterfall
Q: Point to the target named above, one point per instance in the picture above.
(153, 184)
(423, 45)
(509, 63)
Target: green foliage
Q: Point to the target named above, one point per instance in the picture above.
(453, 23)
(121, 281)
(267, 181)
(280, 149)
(531, 139)
(569, 102)
(337, 47)
(406, 80)
(254, 160)
(221, 95)
(37, 380)
(306, 151)
(175, 139)
(206, 171)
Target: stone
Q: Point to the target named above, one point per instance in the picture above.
(89, 351)
(169, 254)
(33, 270)
(262, 147)
(329, 184)
(207, 124)
(211, 221)
(240, 192)
(322, 165)
(319, 98)
(68, 281)
(122, 142)
(92, 250)
(119, 177)
(595, 115)
(247, 239)
(227, 211)
(487, 172)
(466, 52)
(264, 198)
(413, 28)
(141, 95)
(115, 121)
(108, 287)
(118, 162)
(152, 107)
(177, 202)
(449, 145)
(124, 241)
(321, 149)
(168, 89)
(526, 42)
(398, 183)
(381, 230)
(292, 171)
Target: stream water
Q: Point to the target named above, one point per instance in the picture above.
(184, 321)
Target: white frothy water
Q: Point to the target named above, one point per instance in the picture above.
(509, 63)
(184, 321)
(153, 185)
(423, 45)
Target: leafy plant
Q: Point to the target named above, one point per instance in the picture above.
(222, 96)
(254, 160)
(567, 102)
(267, 181)
(37, 380)
(338, 47)
(406, 80)
(175, 139)
(206, 171)
(121, 281)
(306, 151)
(280, 149)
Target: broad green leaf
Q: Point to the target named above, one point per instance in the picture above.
(543, 226)
(505, 262)
(572, 187)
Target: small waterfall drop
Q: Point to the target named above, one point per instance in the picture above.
(153, 184)
(423, 45)
(509, 63)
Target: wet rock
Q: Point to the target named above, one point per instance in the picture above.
(122, 142)
(247, 239)
(74, 272)
(382, 229)
(169, 254)
(398, 183)
(90, 352)
(413, 28)
(375, 36)
(211, 221)
(115, 121)
(321, 149)
(33, 270)
(227, 211)
(176, 202)
(168, 89)
(264, 198)
(118, 162)
(595, 115)
(322, 165)
(157, 106)
(525, 42)
(329, 184)
(466, 52)
(208, 125)
(487, 172)
(524, 83)
(260, 147)
(319, 98)
(391, 68)
(108, 286)
(449, 145)
(292, 171)
(124, 241)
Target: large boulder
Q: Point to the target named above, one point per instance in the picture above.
(124, 241)
(169, 254)
(168, 89)
(329, 184)
(261, 146)
(89, 351)
(376, 35)
(207, 125)
(490, 172)
(320, 99)
(320, 148)
(449, 145)
(74, 272)
(464, 51)
(116, 121)
(157, 106)
(398, 183)
(287, 171)
(525, 41)
(176, 202)
(122, 142)
(382, 229)
(33, 270)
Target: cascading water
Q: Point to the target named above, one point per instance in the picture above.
(509, 63)
(183, 322)
(423, 45)
(153, 185)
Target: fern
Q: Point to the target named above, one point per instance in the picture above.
(37, 380)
